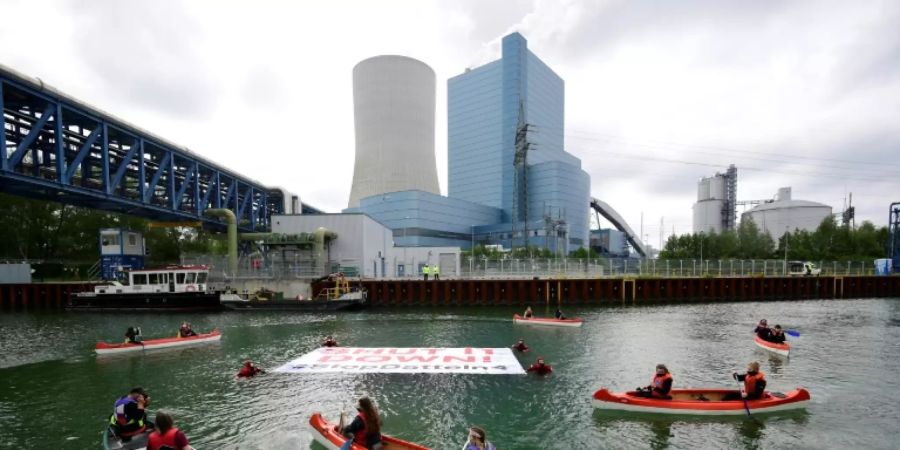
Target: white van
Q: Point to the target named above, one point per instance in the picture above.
(803, 269)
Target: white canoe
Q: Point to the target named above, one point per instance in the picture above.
(781, 349)
(576, 322)
(103, 348)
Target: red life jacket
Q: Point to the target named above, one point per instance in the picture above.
(166, 441)
(541, 369)
(361, 436)
(750, 382)
(659, 381)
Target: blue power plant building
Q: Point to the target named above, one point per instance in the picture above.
(510, 181)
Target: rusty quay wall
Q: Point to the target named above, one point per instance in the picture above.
(617, 291)
(18, 296)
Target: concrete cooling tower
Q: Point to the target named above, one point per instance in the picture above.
(393, 110)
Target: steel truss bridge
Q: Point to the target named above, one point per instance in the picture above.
(54, 147)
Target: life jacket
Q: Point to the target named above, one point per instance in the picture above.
(521, 347)
(542, 369)
(361, 437)
(247, 372)
(120, 419)
(658, 382)
(750, 382)
(166, 441)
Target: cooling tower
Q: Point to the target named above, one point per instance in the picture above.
(393, 111)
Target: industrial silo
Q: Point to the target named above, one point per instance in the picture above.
(715, 207)
(393, 111)
(786, 214)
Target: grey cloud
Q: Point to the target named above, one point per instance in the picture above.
(263, 88)
(146, 52)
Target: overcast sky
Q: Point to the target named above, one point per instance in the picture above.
(658, 93)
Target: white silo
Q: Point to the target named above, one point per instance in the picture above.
(785, 214)
(393, 111)
(714, 210)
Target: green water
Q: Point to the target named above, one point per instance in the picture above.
(56, 394)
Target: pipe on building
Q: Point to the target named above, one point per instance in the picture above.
(322, 235)
(231, 221)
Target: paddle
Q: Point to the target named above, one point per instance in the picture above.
(793, 333)
(743, 396)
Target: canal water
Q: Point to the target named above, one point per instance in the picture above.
(56, 394)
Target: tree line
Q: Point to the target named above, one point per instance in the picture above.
(829, 242)
(60, 236)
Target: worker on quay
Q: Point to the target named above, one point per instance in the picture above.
(520, 346)
(539, 367)
(329, 342)
(167, 436)
(777, 335)
(660, 385)
(528, 313)
(754, 384)
(762, 330)
(436, 272)
(365, 430)
(249, 370)
(129, 417)
(426, 270)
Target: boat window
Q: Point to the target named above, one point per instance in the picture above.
(140, 278)
(201, 277)
(132, 239)
(163, 278)
(190, 278)
(153, 278)
(181, 278)
(122, 277)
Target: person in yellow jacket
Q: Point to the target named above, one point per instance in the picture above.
(425, 271)
(436, 272)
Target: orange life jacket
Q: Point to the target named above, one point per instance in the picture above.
(658, 382)
(361, 436)
(750, 382)
(158, 441)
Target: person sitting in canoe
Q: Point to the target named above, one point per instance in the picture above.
(133, 335)
(365, 430)
(659, 386)
(539, 367)
(249, 370)
(520, 346)
(167, 436)
(762, 330)
(329, 342)
(754, 384)
(478, 440)
(777, 335)
(185, 330)
(529, 314)
(560, 315)
(129, 417)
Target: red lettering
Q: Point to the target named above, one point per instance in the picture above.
(334, 358)
(467, 359)
(402, 351)
(374, 358)
(421, 359)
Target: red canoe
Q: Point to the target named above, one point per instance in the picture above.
(103, 348)
(327, 435)
(576, 322)
(782, 349)
(704, 402)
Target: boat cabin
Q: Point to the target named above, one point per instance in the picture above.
(174, 279)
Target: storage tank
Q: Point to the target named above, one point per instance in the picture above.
(708, 216)
(393, 112)
(786, 214)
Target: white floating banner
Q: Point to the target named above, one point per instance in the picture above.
(483, 361)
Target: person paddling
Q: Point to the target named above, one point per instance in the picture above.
(248, 370)
(560, 315)
(777, 335)
(659, 386)
(185, 330)
(167, 436)
(754, 384)
(540, 368)
(762, 329)
(528, 313)
(129, 417)
(478, 440)
(520, 346)
(365, 430)
(133, 335)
